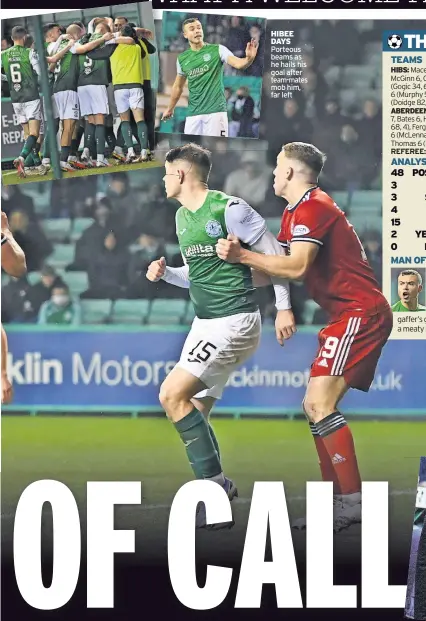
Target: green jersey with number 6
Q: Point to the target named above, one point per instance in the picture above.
(20, 65)
(217, 288)
(94, 72)
(204, 71)
(67, 70)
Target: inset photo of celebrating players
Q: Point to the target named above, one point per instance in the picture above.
(211, 75)
(78, 92)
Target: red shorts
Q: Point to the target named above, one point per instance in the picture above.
(351, 347)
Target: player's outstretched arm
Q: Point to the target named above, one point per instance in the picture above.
(293, 267)
(243, 63)
(12, 256)
(176, 94)
(6, 386)
(178, 276)
(92, 45)
(52, 60)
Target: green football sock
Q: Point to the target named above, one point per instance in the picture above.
(65, 153)
(100, 139)
(143, 134)
(200, 449)
(120, 137)
(75, 142)
(214, 439)
(110, 137)
(46, 142)
(90, 138)
(28, 146)
(29, 161)
(35, 151)
(126, 131)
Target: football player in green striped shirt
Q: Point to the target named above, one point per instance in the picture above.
(202, 66)
(410, 285)
(22, 69)
(227, 328)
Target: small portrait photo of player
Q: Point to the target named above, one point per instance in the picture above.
(211, 69)
(408, 287)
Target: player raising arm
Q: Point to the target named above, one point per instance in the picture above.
(324, 250)
(202, 66)
(13, 262)
(227, 327)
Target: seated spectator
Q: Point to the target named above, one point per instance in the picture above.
(351, 165)
(241, 108)
(92, 240)
(61, 309)
(151, 248)
(42, 291)
(16, 303)
(13, 198)
(251, 181)
(107, 271)
(30, 236)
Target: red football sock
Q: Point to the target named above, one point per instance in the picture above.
(326, 467)
(338, 442)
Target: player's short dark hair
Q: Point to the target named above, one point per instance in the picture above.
(29, 40)
(18, 33)
(190, 20)
(306, 153)
(412, 273)
(194, 154)
(122, 17)
(49, 26)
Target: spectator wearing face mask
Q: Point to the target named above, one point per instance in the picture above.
(61, 309)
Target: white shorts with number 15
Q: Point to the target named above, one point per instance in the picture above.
(215, 348)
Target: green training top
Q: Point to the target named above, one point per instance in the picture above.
(399, 307)
(20, 65)
(204, 71)
(217, 288)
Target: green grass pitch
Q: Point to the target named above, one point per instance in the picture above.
(74, 450)
(10, 177)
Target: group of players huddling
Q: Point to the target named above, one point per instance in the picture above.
(95, 76)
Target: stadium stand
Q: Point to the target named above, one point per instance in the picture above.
(133, 206)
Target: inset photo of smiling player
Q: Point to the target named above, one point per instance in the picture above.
(211, 75)
(408, 293)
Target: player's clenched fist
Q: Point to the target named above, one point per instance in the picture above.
(229, 249)
(156, 270)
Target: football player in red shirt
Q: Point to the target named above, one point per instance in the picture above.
(322, 248)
